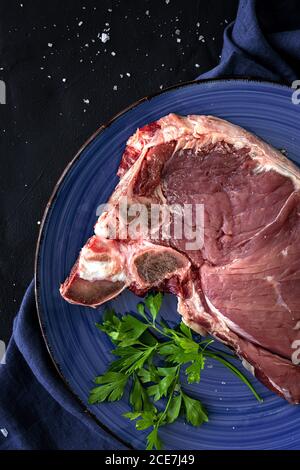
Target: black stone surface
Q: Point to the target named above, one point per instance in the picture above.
(63, 81)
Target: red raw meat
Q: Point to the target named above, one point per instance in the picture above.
(243, 285)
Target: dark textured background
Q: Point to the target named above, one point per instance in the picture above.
(51, 64)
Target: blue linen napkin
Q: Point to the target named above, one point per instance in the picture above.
(36, 410)
(263, 42)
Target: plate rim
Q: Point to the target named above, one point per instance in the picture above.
(52, 199)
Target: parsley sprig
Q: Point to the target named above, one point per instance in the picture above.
(150, 358)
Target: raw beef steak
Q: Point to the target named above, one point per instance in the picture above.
(239, 277)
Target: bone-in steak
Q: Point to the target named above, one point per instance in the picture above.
(239, 280)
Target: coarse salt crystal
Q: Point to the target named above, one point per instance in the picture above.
(4, 432)
(104, 37)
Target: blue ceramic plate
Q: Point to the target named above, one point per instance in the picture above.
(79, 350)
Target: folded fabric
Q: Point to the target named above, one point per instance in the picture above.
(263, 42)
(36, 410)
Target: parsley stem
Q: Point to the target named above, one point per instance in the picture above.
(235, 371)
(158, 330)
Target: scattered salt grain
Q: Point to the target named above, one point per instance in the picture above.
(147, 12)
(167, 2)
(121, 75)
(104, 37)
(64, 80)
(128, 74)
(197, 66)
(113, 53)
(178, 40)
(86, 101)
(50, 44)
(115, 87)
(4, 430)
(80, 23)
(223, 383)
(177, 32)
(38, 222)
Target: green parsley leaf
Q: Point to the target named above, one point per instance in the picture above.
(153, 303)
(111, 389)
(141, 310)
(193, 371)
(194, 412)
(188, 345)
(138, 398)
(111, 324)
(131, 358)
(185, 330)
(161, 389)
(167, 371)
(147, 420)
(130, 331)
(148, 375)
(174, 408)
(153, 440)
(132, 415)
(176, 354)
